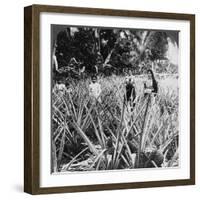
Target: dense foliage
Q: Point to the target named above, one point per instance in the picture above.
(109, 135)
(106, 51)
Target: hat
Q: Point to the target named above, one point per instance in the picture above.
(94, 77)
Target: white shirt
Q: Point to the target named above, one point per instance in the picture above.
(59, 88)
(95, 89)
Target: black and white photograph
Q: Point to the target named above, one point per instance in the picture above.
(114, 98)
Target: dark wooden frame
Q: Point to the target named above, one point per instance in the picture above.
(32, 104)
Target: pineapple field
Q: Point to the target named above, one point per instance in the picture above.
(111, 135)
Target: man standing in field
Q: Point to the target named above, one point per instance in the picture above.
(59, 87)
(130, 94)
(95, 89)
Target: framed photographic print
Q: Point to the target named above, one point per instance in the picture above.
(109, 99)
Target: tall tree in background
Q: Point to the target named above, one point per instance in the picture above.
(101, 49)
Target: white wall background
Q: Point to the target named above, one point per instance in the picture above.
(11, 99)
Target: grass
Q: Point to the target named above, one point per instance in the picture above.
(87, 135)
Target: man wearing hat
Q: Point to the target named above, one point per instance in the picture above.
(95, 89)
(130, 93)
